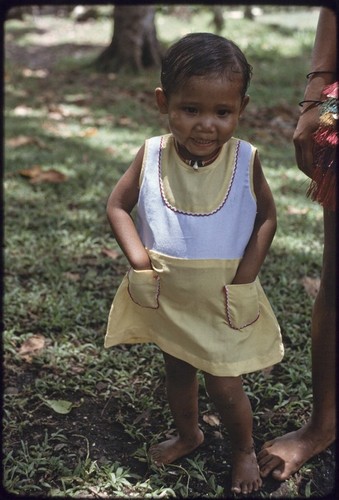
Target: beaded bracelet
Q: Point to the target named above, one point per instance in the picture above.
(319, 72)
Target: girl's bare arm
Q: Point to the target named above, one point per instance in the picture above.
(263, 231)
(119, 207)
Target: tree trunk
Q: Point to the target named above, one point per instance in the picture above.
(134, 44)
(218, 18)
(248, 14)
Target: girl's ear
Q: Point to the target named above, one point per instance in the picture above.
(244, 103)
(161, 100)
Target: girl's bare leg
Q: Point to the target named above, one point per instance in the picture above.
(236, 414)
(285, 455)
(182, 394)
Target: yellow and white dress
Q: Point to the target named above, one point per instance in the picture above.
(196, 224)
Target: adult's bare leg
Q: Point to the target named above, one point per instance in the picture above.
(285, 455)
(182, 394)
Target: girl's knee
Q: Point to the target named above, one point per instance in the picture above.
(223, 388)
(178, 371)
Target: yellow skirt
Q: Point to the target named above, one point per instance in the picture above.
(192, 312)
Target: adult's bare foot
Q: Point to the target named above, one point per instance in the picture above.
(245, 472)
(283, 456)
(170, 450)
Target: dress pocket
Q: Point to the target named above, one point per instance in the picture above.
(144, 287)
(242, 305)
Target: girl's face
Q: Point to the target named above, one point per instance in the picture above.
(203, 114)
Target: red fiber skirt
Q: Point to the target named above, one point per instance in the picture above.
(323, 186)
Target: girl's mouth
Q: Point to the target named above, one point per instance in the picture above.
(200, 152)
(203, 142)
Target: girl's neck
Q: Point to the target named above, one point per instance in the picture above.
(193, 161)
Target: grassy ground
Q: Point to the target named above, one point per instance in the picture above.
(78, 419)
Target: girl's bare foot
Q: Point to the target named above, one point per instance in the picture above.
(245, 471)
(285, 455)
(174, 448)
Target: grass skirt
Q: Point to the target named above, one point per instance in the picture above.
(323, 185)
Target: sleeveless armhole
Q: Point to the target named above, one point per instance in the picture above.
(141, 176)
(251, 169)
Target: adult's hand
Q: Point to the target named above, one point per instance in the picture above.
(303, 138)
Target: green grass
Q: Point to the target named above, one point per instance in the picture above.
(59, 283)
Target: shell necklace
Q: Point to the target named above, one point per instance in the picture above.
(196, 164)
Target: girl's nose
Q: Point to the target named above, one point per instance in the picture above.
(206, 123)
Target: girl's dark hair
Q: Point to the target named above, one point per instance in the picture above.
(202, 54)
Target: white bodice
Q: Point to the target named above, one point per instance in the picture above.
(221, 231)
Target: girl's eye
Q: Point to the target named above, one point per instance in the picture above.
(190, 109)
(223, 112)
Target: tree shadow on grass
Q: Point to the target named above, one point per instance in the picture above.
(102, 413)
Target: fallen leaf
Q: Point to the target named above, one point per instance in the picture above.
(212, 420)
(31, 172)
(52, 176)
(311, 285)
(20, 140)
(77, 369)
(113, 254)
(59, 405)
(31, 346)
(37, 175)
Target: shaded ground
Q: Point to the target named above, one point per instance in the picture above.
(95, 428)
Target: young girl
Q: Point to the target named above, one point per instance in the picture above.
(206, 219)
